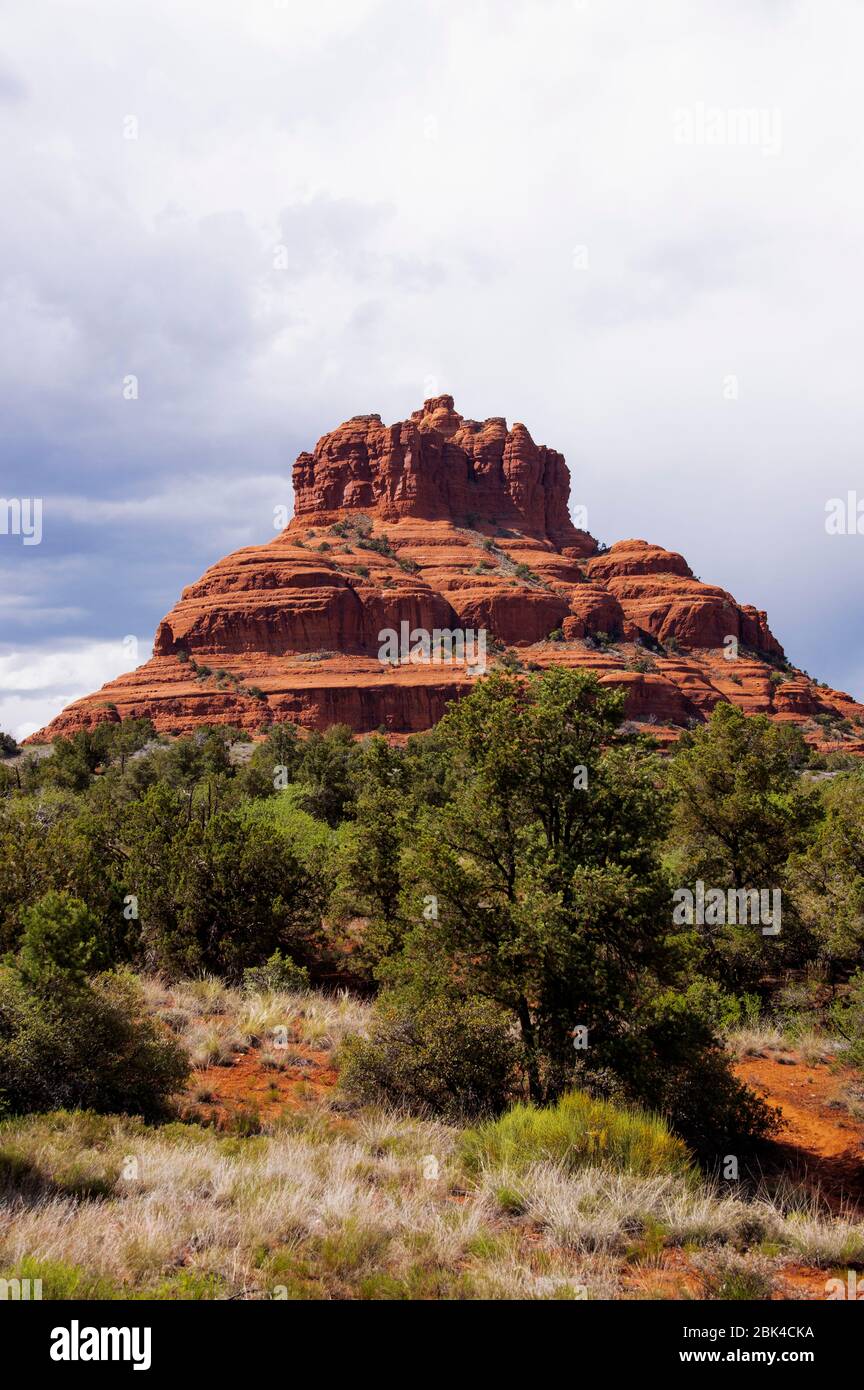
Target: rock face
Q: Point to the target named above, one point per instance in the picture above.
(438, 466)
(441, 524)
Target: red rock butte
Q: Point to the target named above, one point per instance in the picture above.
(450, 524)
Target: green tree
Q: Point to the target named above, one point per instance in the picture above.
(200, 767)
(326, 769)
(274, 764)
(126, 738)
(369, 857)
(59, 942)
(8, 745)
(740, 812)
(73, 761)
(219, 895)
(827, 878)
(56, 841)
(539, 888)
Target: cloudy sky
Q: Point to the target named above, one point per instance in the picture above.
(634, 225)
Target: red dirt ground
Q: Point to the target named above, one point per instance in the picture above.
(823, 1145)
(224, 1095)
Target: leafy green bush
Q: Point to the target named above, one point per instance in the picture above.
(69, 1042)
(578, 1131)
(847, 1016)
(279, 973)
(92, 1047)
(455, 1058)
(741, 810)
(380, 544)
(218, 896)
(673, 1064)
(58, 944)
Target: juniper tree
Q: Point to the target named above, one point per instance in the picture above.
(539, 888)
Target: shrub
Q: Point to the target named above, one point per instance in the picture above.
(674, 1065)
(219, 896)
(91, 1047)
(511, 661)
(8, 746)
(847, 1016)
(578, 1131)
(58, 943)
(279, 973)
(380, 544)
(456, 1058)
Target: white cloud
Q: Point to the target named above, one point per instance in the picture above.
(36, 685)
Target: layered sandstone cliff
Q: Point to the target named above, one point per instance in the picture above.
(447, 524)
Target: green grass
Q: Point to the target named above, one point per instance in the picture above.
(82, 1145)
(62, 1281)
(419, 1284)
(578, 1131)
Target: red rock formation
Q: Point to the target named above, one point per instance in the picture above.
(660, 596)
(440, 467)
(438, 522)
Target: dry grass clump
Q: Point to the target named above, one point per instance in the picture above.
(214, 1022)
(752, 1039)
(755, 1039)
(322, 1207)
